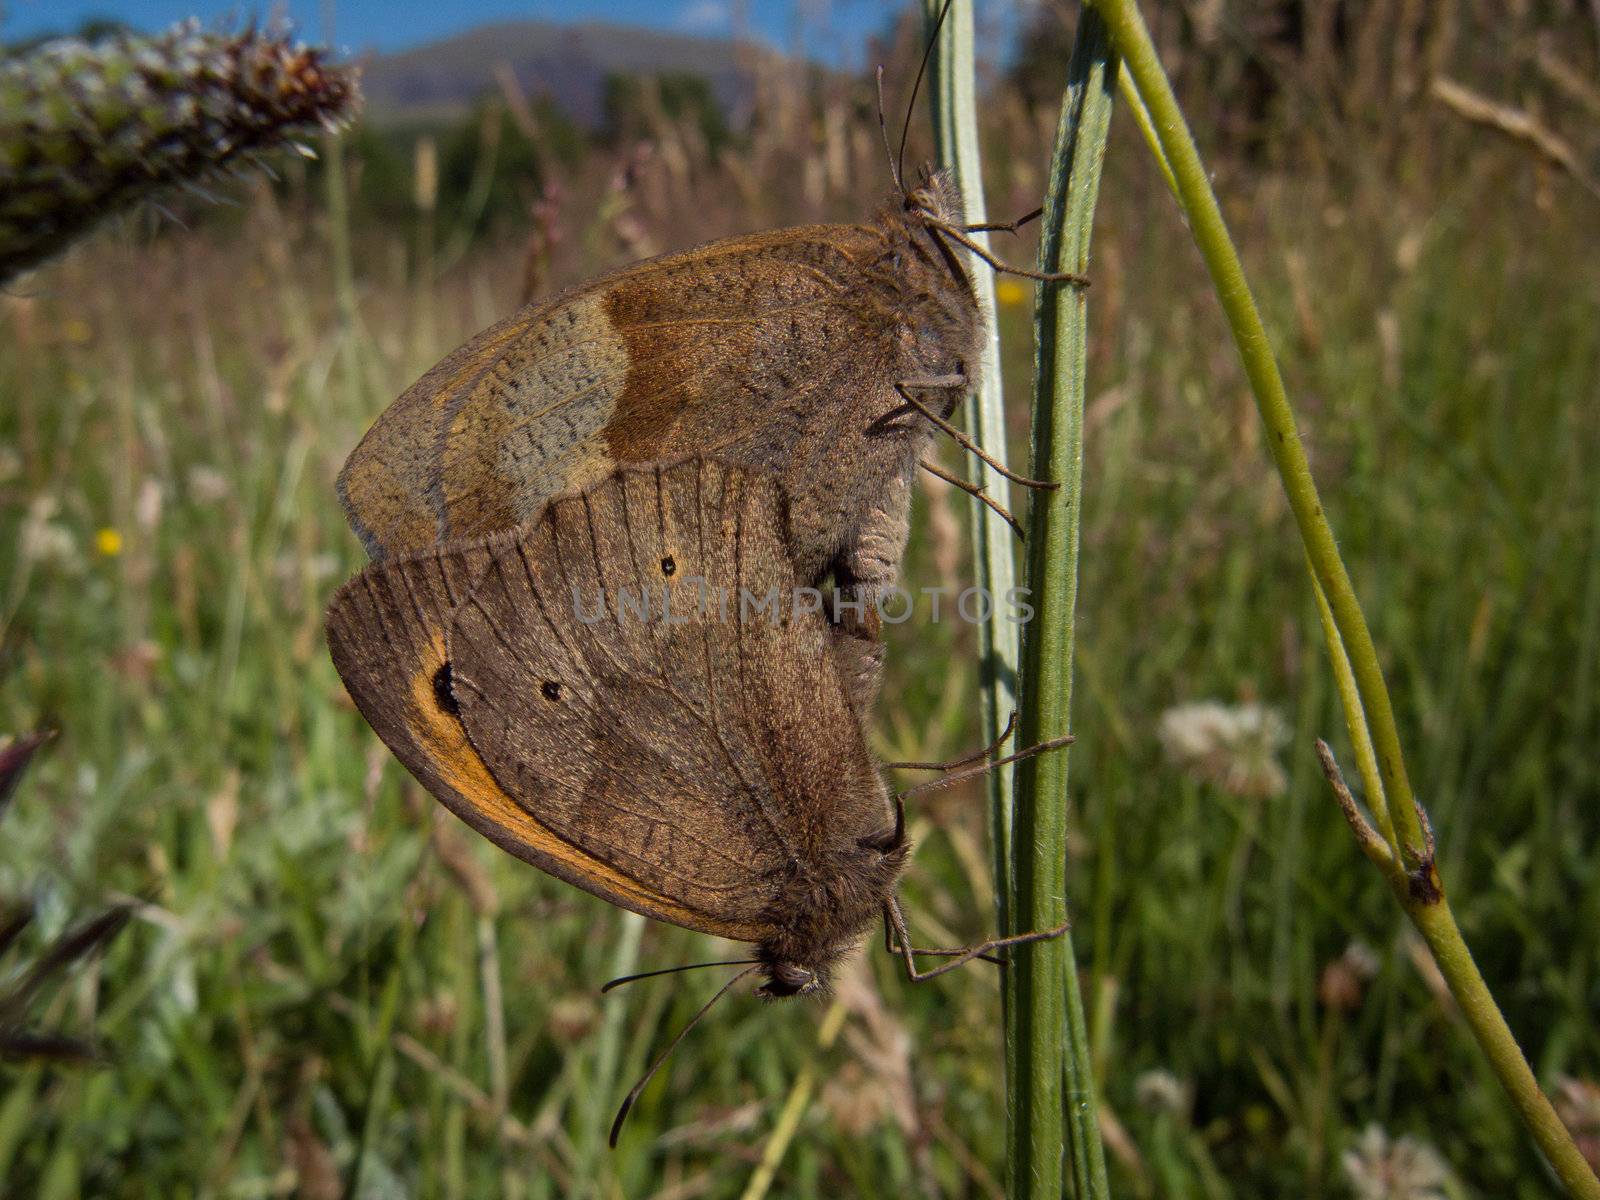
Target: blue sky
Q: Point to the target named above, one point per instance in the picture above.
(834, 30)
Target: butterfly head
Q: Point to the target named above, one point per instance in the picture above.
(824, 913)
(922, 268)
(788, 979)
(936, 200)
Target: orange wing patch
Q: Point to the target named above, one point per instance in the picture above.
(443, 740)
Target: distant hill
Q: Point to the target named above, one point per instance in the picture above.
(569, 63)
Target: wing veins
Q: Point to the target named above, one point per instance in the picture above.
(709, 847)
(377, 611)
(760, 743)
(711, 687)
(619, 670)
(653, 360)
(667, 685)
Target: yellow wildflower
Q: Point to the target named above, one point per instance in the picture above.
(108, 542)
(1010, 293)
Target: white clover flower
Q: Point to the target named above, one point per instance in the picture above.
(44, 541)
(1162, 1091)
(1378, 1168)
(1234, 747)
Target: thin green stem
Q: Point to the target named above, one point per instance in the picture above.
(597, 1105)
(1437, 924)
(1051, 1090)
(344, 286)
(379, 1041)
(1355, 719)
(1147, 129)
(1132, 40)
(953, 98)
(1413, 878)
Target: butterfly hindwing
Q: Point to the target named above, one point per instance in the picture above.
(387, 634)
(694, 751)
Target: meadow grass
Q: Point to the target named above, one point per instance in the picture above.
(330, 986)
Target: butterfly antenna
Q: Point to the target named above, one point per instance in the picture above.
(622, 1113)
(911, 105)
(963, 761)
(727, 962)
(935, 784)
(883, 129)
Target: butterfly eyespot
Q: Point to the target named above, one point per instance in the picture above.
(668, 566)
(550, 689)
(443, 692)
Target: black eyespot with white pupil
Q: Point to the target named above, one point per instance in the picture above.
(550, 689)
(668, 566)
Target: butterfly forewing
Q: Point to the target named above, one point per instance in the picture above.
(778, 351)
(389, 486)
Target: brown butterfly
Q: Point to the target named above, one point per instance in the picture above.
(628, 694)
(823, 353)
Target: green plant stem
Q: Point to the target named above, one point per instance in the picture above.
(1050, 1088)
(1147, 129)
(600, 1103)
(1344, 681)
(953, 99)
(379, 1043)
(344, 286)
(1437, 924)
(1132, 41)
(1412, 876)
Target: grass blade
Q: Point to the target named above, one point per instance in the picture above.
(1051, 1097)
(952, 93)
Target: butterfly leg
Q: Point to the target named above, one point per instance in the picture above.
(905, 387)
(934, 785)
(893, 915)
(892, 944)
(978, 494)
(965, 760)
(1004, 226)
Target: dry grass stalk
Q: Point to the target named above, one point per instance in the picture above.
(1515, 123)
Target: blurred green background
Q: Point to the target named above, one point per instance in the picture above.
(330, 988)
